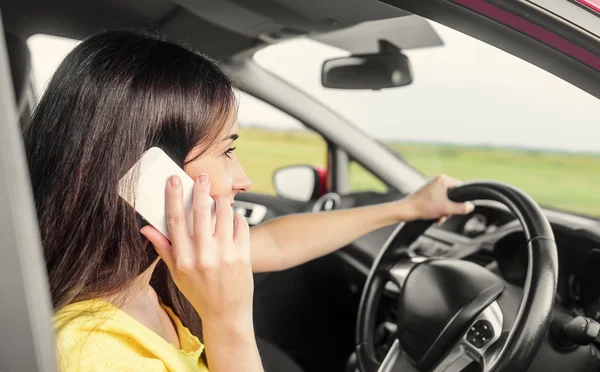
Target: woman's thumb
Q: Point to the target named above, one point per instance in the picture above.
(463, 208)
(160, 242)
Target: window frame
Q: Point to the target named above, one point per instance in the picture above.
(330, 179)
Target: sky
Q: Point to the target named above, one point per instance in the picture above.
(464, 92)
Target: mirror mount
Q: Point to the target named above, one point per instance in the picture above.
(385, 47)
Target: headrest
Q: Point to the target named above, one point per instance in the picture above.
(20, 67)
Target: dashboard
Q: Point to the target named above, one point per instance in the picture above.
(491, 237)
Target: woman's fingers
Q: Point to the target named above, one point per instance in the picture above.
(224, 225)
(202, 210)
(176, 218)
(241, 234)
(456, 208)
(160, 242)
(212, 270)
(462, 208)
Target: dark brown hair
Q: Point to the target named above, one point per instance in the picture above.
(117, 94)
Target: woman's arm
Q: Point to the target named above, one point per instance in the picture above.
(294, 239)
(291, 240)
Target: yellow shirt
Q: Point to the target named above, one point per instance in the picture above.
(94, 336)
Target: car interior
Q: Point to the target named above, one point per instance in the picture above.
(512, 286)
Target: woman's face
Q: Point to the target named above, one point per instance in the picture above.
(226, 175)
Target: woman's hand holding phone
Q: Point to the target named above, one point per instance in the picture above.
(213, 271)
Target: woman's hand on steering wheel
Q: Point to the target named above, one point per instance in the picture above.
(431, 201)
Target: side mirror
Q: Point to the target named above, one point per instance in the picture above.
(299, 182)
(387, 69)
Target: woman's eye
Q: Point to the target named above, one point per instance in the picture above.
(229, 151)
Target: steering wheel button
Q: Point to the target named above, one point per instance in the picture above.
(475, 341)
(485, 328)
(480, 333)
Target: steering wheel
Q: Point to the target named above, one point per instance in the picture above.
(456, 315)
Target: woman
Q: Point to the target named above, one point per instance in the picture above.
(119, 307)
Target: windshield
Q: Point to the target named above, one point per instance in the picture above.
(473, 112)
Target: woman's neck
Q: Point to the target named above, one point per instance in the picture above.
(140, 292)
(141, 302)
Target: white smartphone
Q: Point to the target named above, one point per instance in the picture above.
(154, 169)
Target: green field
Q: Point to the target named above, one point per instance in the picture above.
(560, 180)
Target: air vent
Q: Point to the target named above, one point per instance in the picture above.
(428, 247)
(254, 213)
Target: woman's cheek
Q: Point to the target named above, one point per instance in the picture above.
(220, 180)
(201, 165)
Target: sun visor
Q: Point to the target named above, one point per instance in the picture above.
(354, 25)
(408, 32)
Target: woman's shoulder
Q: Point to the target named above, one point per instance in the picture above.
(92, 336)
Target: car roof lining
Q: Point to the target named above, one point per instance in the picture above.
(219, 37)
(78, 19)
(221, 28)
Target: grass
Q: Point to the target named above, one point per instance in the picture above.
(261, 152)
(560, 180)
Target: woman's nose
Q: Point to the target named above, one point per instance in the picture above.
(242, 181)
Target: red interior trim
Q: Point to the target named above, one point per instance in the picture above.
(592, 4)
(537, 32)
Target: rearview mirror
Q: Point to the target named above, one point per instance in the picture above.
(297, 182)
(387, 69)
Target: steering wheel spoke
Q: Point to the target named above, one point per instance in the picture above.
(481, 343)
(396, 361)
(389, 362)
(473, 347)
